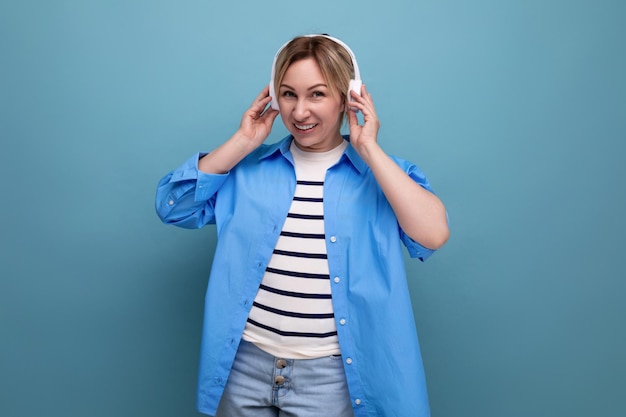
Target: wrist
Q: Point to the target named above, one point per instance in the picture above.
(242, 142)
(369, 151)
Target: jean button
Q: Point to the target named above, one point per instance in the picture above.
(279, 380)
(281, 363)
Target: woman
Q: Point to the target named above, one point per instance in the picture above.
(307, 309)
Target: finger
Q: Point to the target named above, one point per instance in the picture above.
(264, 93)
(270, 116)
(360, 105)
(262, 99)
(260, 103)
(366, 93)
(364, 102)
(353, 121)
(356, 96)
(360, 100)
(366, 97)
(258, 108)
(267, 109)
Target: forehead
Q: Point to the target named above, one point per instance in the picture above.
(303, 72)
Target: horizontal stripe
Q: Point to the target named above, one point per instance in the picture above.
(294, 305)
(309, 199)
(291, 334)
(295, 284)
(298, 265)
(316, 316)
(304, 235)
(309, 192)
(301, 254)
(306, 216)
(297, 274)
(317, 183)
(295, 294)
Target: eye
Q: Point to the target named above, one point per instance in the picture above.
(318, 94)
(288, 93)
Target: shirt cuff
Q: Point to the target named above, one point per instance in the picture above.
(415, 249)
(206, 184)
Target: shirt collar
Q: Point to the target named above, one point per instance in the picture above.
(283, 147)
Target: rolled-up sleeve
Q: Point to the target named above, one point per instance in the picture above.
(415, 249)
(185, 197)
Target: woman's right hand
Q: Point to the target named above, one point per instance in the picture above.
(256, 123)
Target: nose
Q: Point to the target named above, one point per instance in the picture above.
(301, 110)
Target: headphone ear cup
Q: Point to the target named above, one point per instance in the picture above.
(355, 85)
(274, 102)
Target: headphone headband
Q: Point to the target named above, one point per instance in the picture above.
(355, 84)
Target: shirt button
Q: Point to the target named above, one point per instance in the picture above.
(333, 239)
(342, 321)
(357, 401)
(349, 361)
(281, 363)
(171, 202)
(279, 380)
(337, 279)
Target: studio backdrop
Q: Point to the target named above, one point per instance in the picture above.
(515, 110)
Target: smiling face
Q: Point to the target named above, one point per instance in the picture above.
(310, 109)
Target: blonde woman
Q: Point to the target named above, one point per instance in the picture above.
(308, 312)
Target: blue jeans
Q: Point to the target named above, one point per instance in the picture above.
(261, 385)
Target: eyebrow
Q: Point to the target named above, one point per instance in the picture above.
(308, 89)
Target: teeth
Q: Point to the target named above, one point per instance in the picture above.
(306, 127)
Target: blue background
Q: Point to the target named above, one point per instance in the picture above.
(516, 110)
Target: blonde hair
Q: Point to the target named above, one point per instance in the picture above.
(333, 59)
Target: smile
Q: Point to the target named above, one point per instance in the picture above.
(305, 127)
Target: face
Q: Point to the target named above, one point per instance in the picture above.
(308, 107)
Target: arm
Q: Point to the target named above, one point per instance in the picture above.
(186, 197)
(430, 226)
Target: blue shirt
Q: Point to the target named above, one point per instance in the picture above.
(371, 302)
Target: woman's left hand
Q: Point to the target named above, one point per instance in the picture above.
(362, 136)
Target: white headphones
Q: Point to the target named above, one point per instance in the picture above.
(355, 84)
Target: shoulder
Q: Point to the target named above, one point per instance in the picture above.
(266, 151)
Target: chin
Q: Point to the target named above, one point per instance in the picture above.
(306, 143)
